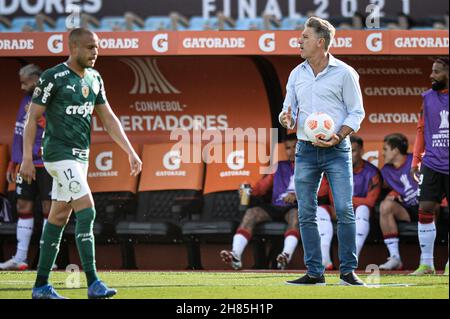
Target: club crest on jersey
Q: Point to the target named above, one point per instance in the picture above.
(37, 92)
(75, 187)
(85, 91)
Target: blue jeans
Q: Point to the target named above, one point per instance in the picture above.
(310, 164)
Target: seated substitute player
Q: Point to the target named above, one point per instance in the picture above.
(366, 190)
(69, 93)
(432, 138)
(402, 203)
(283, 207)
(27, 193)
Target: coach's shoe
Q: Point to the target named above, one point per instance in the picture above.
(424, 270)
(351, 279)
(45, 292)
(230, 258)
(282, 260)
(12, 264)
(307, 280)
(446, 270)
(393, 263)
(98, 290)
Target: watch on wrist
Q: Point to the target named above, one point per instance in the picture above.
(341, 137)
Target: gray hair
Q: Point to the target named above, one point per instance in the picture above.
(322, 28)
(29, 70)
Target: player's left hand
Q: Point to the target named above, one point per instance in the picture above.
(135, 164)
(334, 140)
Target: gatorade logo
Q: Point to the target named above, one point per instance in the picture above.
(160, 42)
(104, 161)
(55, 43)
(266, 42)
(235, 160)
(172, 160)
(236, 163)
(374, 42)
(172, 164)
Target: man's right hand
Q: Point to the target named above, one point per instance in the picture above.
(415, 173)
(27, 171)
(286, 118)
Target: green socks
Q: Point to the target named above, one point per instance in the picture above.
(84, 237)
(49, 247)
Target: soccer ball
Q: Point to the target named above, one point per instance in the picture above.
(319, 125)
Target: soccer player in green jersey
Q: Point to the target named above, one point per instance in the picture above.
(68, 94)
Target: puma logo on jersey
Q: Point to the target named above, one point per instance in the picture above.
(71, 87)
(84, 110)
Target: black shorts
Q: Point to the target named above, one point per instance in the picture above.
(433, 186)
(276, 213)
(41, 186)
(413, 211)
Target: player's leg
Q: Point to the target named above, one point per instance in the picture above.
(391, 212)
(291, 238)
(431, 190)
(326, 232)
(362, 216)
(339, 172)
(82, 202)
(24, 231)
(252, 217)
(50, 240)
(25, 194)
(44, 184)
(446, 187)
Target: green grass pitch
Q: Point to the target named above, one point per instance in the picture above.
(230, 285)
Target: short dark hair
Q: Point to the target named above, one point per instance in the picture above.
(442, 60)
(77, 33)
(356, 139)
(398, 141)
(290, 137)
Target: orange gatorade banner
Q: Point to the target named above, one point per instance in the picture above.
(143, 43)
(163, 168)
(109, 169)
(229, 165)
(3, 167)
(154, 96)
